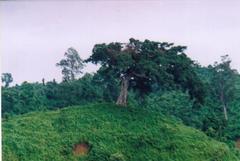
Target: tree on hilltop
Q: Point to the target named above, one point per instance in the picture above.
(145, 65)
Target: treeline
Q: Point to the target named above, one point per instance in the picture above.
(51, 95)
(153, 75)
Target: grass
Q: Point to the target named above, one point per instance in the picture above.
(113, 133)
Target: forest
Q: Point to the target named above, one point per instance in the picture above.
(157, 77)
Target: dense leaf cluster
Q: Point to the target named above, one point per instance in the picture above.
(149, 66)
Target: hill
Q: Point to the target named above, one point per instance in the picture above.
(106, 132)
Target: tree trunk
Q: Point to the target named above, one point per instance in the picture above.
(72, 76)
(225, 112)
(224, 106)
(122, 98)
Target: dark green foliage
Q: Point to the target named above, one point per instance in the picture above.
(207, 117)
(51, 92)
(148, 65)
(223, 81)
(35, 96)
(174, 103)
(212, 119)
(233, 129)
(7, 79)
(108, 84)
(21, 99)
(221, 114)
(77, 92)
(114, 134)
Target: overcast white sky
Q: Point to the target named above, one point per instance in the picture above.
(35, 34)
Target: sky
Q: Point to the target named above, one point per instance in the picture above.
(34, 35)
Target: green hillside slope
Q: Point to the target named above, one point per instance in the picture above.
(104, 132)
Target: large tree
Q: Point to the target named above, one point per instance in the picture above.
(223, 82)
(71, 65)
(7, 79)
(144, 65)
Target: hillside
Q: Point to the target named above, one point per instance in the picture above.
(102, 132)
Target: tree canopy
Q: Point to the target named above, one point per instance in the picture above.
(71, 65)
(7, 79)
(147, 65)
(222, 82)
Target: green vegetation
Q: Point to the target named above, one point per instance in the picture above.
(113, 133)
(157, 78)
(147, 66)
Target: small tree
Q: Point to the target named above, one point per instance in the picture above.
(71, 65)
(7, 79)
(223, 82)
